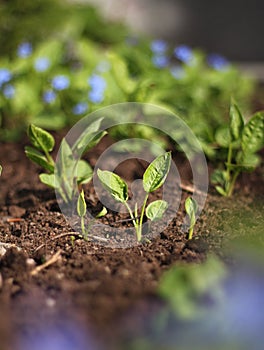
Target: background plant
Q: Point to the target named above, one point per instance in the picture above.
(241, 141)
(153, 178)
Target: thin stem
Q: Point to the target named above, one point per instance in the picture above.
(229, 160)
(83, 227)
(131, 215)
(232, 184)
(139, 233)
(190, 232)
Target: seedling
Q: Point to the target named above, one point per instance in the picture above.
(81, 210)
(191, 208)
(0, 170)
(243, 141)
(69, 169)
(153, 178)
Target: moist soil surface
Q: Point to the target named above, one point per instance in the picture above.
(53, 279)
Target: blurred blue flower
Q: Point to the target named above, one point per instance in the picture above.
(24, 50)
(177, 72)
(9, 91)
(5, 76)
(184, 53)
(160, 61)
(60, 82)
(217, 62)
(49, 96)
(96, 96)
(80, 108)
(41, 64)
(97, 82)
(158, 46)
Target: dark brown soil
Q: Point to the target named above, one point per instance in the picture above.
(88, 291)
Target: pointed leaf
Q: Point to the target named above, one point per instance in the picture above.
(156, 173)
(253, 134)
(221, 191)
(116, 186)
(81, 205)
(48, 179)
(38, 158)
(40, 138)
(236, 122)
(84, 172)
(101, 213)
(191, 208)
(155, 210)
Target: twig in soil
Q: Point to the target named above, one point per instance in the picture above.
(191, 189)
(11, 219)
(51, 261)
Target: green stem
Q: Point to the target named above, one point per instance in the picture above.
(131, 215)
(229, 160)
(232, 184)
(139, 232)
(190, 232)
(83, 227)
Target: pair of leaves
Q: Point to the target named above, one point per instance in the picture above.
(153, 178)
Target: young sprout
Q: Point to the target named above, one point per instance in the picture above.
(81, 211)
(0, 169)
(191, 208)
(243, 141)
(69, 168)
(153, 178)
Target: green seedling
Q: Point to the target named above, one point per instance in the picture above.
(242, 141)
(0, 170)
(191, 208)
(69, 169)
(81, 210)
(153, 178)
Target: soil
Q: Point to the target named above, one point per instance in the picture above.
(87, 292)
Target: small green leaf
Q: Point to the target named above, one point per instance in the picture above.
(222, 136)
(0, 169)
(236, 122)
(38, 158)
(221, 191)
(48, 179)
(89, 138)
(219, 177)
(191, 208)
(114, 185)
(40, 138)
(253, 134)
(155, 210)
(156, 173)
(81, 205)
(101, 213)
(84, 172)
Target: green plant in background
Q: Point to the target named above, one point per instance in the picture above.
(241, 141)
(153, 178)
(69, 169)
(81, 211)
(191, 290)
(191, 208)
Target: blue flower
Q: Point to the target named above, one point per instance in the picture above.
(177, 72)
(41, 64)
(184, 53)
(160, 61)
(24, 50)
(60, 82)
(5, 76)
(96, 96)
(80, 108)
(9, 91)
(159, 46)
(97, 82)
(49, 96)
(217, 62)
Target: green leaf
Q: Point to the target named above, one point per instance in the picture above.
(101, 213)
(155, 210)
(236, 122)
(219, 177)
(84, 172)
(0, 169)
(81, 205)
(40, 138)
(222, 136)
(38, 158)
(89, 138)
(221, 191)
(191, 208)
(156, 173)
(114, 185)
(253, 134)
(48, 179)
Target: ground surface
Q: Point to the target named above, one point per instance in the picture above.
(88, 288)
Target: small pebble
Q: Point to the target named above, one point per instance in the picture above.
(50, 302)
